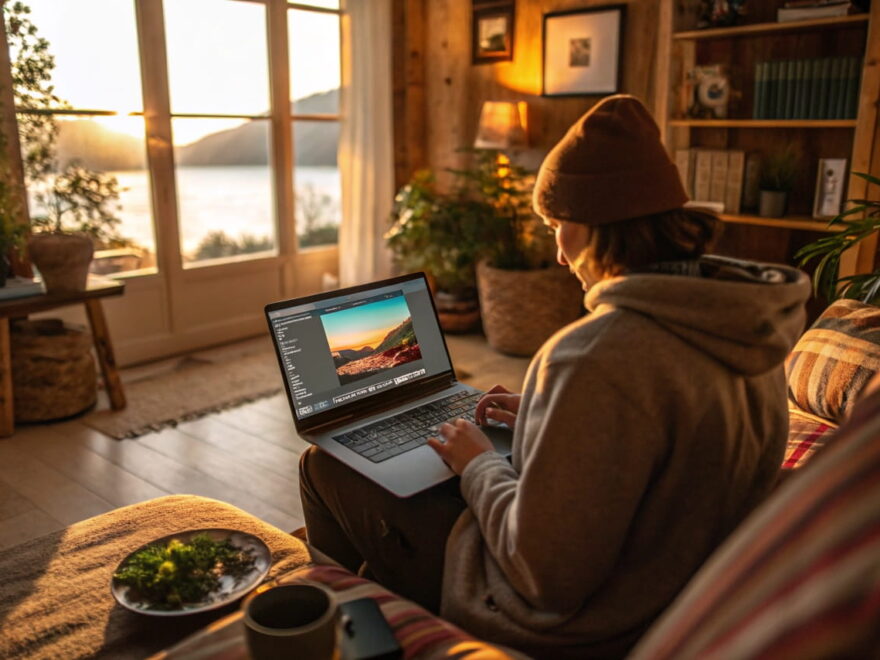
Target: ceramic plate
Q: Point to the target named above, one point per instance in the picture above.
(230, 588)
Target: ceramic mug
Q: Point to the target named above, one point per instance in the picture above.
(293, 620)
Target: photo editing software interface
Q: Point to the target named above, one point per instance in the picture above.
(340, 349)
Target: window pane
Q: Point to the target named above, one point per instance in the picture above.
(110, 153)
(314, 62)
(317, 185)
(217, 59)
(224, 189)
(96, 65)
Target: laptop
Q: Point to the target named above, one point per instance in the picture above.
(369, 379)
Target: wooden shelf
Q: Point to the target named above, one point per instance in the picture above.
(770, 28)
(801, 222)
(765, 123)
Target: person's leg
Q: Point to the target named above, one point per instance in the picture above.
(353, 519)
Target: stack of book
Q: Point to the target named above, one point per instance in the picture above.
(714, 175)
(818, 88)
(803, 10)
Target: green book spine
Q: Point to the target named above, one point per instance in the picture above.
(811, 87)
(835, 89)
(852, 88)
(772, 89)
(788, 82)
(760, 90)
(799, 89)
(820, 95)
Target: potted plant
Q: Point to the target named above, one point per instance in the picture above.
(437, 233)
(78, 215)
(778, 173)
(525, 296)
(828, 250)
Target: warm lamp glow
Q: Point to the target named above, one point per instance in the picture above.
(502, 125)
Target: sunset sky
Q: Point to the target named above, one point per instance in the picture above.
(366, 325)
(217, 58)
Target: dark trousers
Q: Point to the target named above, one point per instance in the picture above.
(401, 541)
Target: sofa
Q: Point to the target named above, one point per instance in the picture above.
(55, 599)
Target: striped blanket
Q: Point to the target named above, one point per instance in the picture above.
(799, 578)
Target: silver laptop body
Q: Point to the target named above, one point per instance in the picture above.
(360, 357)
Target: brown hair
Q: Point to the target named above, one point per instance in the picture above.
(617, 247)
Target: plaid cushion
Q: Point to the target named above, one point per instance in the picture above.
(806, 434)
(835, 359)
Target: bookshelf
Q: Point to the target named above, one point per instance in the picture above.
(739, 49)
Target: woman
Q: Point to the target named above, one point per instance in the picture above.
(645, 431)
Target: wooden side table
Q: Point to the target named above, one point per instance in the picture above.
(97, 288)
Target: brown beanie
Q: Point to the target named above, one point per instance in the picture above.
(610, 166)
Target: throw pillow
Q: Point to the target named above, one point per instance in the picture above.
(833, 360)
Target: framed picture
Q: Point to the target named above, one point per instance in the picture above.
(582, 51)
(493, 34)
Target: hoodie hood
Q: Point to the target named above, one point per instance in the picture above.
(744, 314)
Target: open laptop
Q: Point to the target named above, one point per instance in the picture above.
(369, 379)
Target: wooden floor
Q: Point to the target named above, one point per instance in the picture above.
(52, 475)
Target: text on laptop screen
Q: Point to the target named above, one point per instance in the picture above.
(351, 346)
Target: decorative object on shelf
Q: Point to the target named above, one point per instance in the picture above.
(492, 32)
(720, 13)
(711, 92)
(778, 173)
(827, 281)
(582, 51)
(813, 9)
(830, 179)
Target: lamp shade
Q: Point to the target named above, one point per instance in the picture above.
(502, 125)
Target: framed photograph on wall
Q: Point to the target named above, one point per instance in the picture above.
(582, 51)
(492, 34)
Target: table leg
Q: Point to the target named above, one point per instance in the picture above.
(104, 349)
(7, 412)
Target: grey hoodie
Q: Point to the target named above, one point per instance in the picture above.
(647, 431)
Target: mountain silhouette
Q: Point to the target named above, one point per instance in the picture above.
(99, 148)
(398, 347)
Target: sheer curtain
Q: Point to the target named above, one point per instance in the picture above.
(365, 145)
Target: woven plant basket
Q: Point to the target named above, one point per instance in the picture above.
(522, 308)
(53, 371)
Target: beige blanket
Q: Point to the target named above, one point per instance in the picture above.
(55, 599)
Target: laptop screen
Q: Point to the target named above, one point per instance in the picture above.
(348, 345)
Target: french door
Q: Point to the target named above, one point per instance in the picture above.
(224, 156)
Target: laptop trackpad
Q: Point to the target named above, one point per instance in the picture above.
(501, 437)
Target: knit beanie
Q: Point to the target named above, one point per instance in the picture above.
(610, 166)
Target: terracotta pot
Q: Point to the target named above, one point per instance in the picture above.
(522, 308)
(62, 259)
(457, 312)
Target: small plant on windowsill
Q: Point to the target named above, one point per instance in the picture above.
(829, 249)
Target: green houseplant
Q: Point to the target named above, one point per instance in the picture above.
(517, 269)
(439, 233)
(829, 249)
(778, 174)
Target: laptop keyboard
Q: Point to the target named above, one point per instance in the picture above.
(395, 435)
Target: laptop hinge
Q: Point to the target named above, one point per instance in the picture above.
(432, 386)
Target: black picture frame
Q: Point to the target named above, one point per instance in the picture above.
(587, 65)
(492, 34)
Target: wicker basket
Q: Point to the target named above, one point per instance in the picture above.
(522, 308)
(53, 371)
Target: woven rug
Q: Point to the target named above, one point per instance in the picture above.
(195, 388)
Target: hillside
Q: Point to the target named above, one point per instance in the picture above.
(101, 149)
(402, 334)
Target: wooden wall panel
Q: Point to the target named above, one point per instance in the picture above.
(455, 89)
